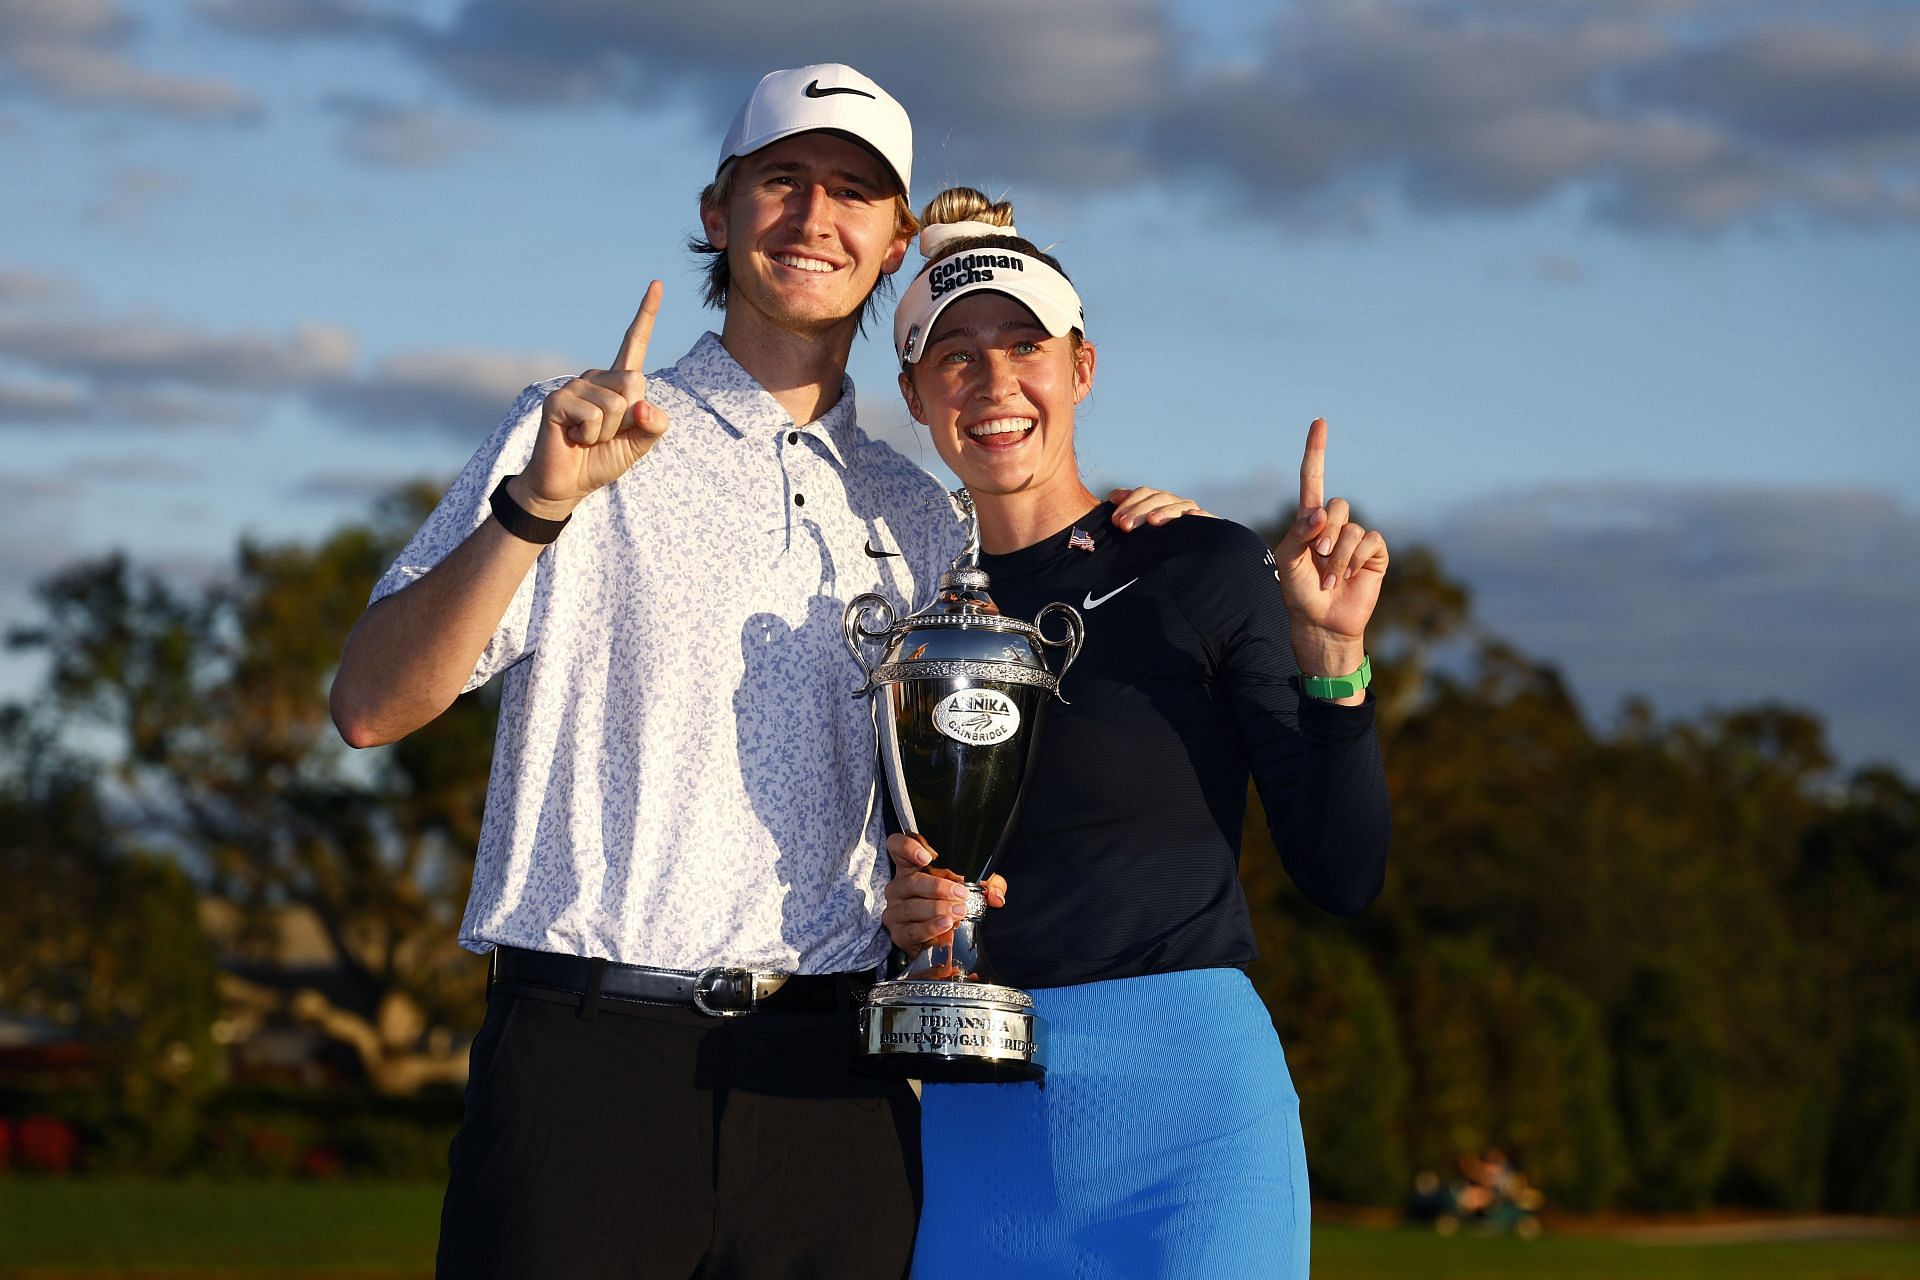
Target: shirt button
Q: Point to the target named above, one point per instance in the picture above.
(793, 437)
(799, 499)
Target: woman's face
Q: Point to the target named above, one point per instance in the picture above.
(997, 393)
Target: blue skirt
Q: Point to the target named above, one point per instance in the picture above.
(1164, 1143)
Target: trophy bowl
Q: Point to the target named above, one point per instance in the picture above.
(959, 696)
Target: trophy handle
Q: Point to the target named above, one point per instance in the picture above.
(1076, 635)
(852, 627)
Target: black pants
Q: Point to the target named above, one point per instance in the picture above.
(668, 1143)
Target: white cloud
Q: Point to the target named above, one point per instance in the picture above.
(289, 18)
(73, 52)
(461, 392)
(1695, 114)
(148, 351)
(131, 192)
(391, 136)
(1656, 114)
(150, 371)
(1801, 85)
(19, 284)
(356, 488)
(1700, 598)
(1071, 80)
(31, 402)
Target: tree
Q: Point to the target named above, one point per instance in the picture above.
(1738, 916)
(1556, 1111)
(1875, 1148)
(1425, 609)
(219, 700)
(1853, 896)
(1746, 786)
(1670, 1089)
(104, 940)
(1449, 1001)
(1344, 1055)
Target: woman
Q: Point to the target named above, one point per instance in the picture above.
(1165, 1140)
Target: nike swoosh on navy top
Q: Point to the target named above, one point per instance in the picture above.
(813, 90)
(878, 554)
(1090, 602)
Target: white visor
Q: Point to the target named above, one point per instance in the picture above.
(1024, 278)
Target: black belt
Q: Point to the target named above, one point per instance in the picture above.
(719, 992)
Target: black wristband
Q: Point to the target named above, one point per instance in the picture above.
(519, 521)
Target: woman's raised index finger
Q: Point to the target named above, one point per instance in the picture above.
(633, 347)
(1313, 467)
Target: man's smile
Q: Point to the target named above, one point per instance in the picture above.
(801, 263)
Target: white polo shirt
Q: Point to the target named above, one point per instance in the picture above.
(681, 776)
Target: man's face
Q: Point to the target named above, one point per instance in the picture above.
(809, 229)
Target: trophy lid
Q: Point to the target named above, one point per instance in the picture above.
(963, 593)
(964, 604)
(961, 631)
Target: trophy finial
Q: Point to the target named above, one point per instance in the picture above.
(969, 557)
(964, 585)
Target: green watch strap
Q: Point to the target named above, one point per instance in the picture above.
(1339, 686)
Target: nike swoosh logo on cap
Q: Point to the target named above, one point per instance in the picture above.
(1090, 602)
(813, 90)
(876, 555)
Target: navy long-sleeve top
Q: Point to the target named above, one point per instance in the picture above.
(1125, 858)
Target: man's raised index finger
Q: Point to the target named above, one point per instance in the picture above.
(1313, 467)
(633, 347)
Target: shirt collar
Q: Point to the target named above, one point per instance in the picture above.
(748, 410)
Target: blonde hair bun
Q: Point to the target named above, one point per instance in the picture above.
(962, 213)
(966, 204)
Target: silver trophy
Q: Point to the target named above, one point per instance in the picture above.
(959, 694)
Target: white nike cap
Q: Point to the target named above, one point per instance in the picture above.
(827, 96)
(1029, 281)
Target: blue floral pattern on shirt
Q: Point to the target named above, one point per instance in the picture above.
(681, 777)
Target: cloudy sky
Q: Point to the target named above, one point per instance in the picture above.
(1614, 302)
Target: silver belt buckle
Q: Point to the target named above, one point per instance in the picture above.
(703, 985)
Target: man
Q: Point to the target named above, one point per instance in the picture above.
(681, 820)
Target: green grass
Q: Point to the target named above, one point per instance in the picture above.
(263, 1227)
(1353, 1253)
(230, 1231)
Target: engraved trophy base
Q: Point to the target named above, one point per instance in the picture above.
(949, 1032)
